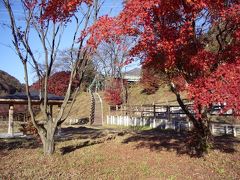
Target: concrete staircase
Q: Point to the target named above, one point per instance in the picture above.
(98, 111)
(97, 108)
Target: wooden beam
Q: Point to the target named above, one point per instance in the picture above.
(34, 102)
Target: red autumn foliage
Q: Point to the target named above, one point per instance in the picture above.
(113, 93)
(150, 81)
(175, 34)
(29, 129)
(56, 10)
(222, 86)
(151, 78)
(57, 83)
(61, 10)
(172, 34)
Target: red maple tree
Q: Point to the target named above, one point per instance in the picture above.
(57, 83)
(113, 92)
(56, 10)
(195, 44)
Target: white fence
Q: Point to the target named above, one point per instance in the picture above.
(148, 121)
(225, 129)
(179, 125)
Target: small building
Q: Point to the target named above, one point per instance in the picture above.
(133, 75)
(20, 98)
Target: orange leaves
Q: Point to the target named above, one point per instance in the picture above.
(221, 86)
(103, 30)
(174, 34)
(57, 83)
(57, 10)
(113, 93)
(202, 62)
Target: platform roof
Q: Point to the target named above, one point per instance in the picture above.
(21, 98)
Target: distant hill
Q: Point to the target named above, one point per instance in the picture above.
(133, 75)
(9, 84)
(134, 72)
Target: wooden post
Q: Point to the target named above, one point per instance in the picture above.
(212, 128)
(121, 109)
(151, 123)
(109, 108)
(154, 123)
(51, 110)
(154, 111)
(118, 120)
(234, 131)
(168, 113)
(189, 126)
(10, 120)
(226, 130)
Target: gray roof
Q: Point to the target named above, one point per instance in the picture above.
(21, 98)
(34, 96)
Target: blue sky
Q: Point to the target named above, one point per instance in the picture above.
(10, 62)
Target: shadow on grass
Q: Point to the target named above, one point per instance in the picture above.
(71, 133)
(170, 140)
(16, 143)
(154, 139)
(84, 137)
(81, 136)
(75, 146)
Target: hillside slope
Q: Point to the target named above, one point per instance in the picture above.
(81, 107)
(8, 84)
(162, 96)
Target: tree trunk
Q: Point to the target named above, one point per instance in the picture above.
(48, 146)
(201, 138)
(48, 139)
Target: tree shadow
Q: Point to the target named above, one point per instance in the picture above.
(81, 136)
(170, 140)
(70, 133)
(16, 143)
(84, 136)
(225, 143)
(70, 148)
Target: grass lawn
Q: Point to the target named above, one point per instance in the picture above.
(86, 153)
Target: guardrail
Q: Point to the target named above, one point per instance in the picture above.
(162, 111)
(166, 116)
(182, 125)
